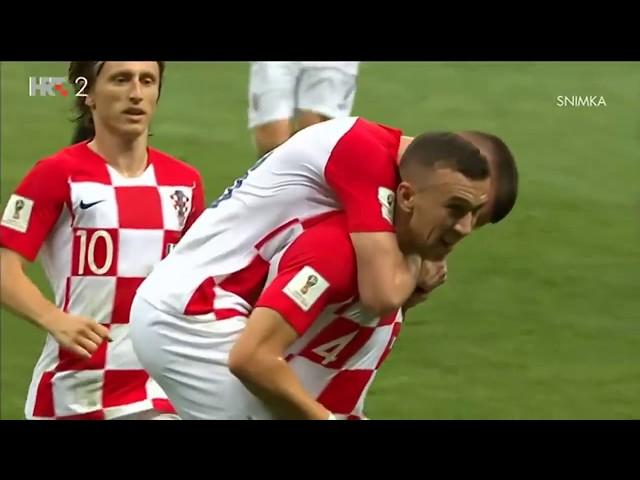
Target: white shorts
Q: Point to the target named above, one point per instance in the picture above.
(189, 361)
(278, 89)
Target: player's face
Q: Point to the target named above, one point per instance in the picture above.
(484, 215)
(441, 213)
(124, 97)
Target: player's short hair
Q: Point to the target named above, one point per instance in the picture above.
(84, 128)
(506, 172)
(445, 150)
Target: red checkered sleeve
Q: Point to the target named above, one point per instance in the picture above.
(311, 275)
(34, 208)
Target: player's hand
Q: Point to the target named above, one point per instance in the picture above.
(81, 335)
(432, 275)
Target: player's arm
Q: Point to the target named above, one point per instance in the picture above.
(365, 181)
(80, 334)
(27, 220)
(258, 360)
(19, 292)
(386, 277)
(432, 275)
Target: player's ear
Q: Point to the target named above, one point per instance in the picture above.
(88, 101)
(405, 196)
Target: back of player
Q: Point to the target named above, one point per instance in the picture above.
(99, 234)
(219, 268)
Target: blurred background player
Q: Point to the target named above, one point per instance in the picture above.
(101, 213)
(285, 97)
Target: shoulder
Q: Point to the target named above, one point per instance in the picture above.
(327, 246)
(330, 234)
(367, 151)
(171, 169)
(370, 138)
(63, 163)
(375, 134)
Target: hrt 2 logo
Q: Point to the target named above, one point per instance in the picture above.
(50, 86)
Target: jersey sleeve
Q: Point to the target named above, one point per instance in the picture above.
(364, 179)
(34, 208)
(317, 270)
(197, 206)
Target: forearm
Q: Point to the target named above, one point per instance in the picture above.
(21, 295)
(387, 289)
(272, 380)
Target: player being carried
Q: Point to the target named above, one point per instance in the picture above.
(445, 192)
(348, 164)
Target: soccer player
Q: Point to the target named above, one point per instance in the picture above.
(288, 96)
(309, 350)
(101, 213)
(349, 164)
(446, 185)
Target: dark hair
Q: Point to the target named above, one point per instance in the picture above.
(446, 149)
(506, 173)
(84, 128)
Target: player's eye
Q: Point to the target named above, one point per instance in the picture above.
(457, 210)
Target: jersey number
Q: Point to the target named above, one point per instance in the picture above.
(229, 191)
(329, 351)
(87, 254)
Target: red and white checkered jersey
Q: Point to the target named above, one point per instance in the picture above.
(98, 234)
(341, 347)
(219, 268)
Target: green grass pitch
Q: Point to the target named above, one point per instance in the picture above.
(541, 315)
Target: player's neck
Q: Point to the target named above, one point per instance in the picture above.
(127, 156)
(404, 143)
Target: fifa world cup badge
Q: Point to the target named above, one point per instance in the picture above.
(17, 213)
(19, 205)
(306, 287)
(311, 281)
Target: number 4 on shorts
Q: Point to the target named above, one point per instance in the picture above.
(329, 351)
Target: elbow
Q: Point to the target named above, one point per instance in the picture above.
(242, 365)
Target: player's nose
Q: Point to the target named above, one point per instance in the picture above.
(135, 93)
(464, 226)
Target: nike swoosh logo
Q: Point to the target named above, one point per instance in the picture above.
(84, 206)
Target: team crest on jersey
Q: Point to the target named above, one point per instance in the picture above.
(387, 199)
(306, 287)
(17, 213)
(181, 205)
